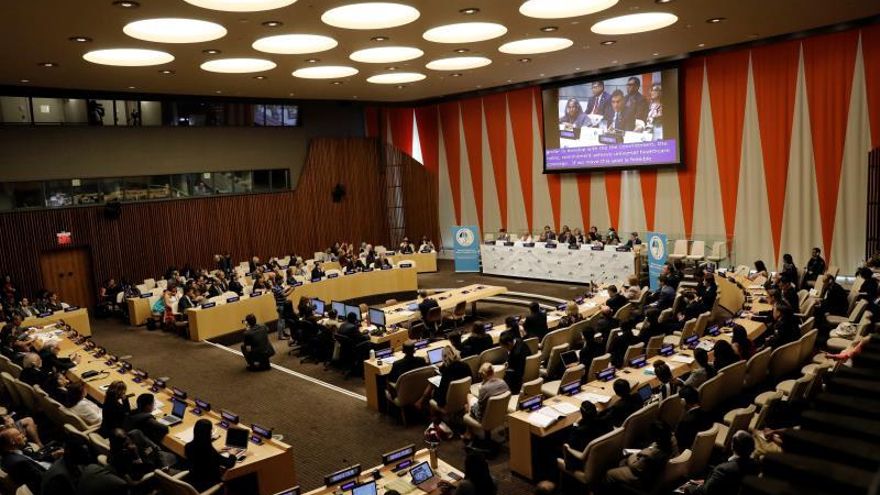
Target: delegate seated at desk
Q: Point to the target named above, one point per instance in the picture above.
(618, 119)
(352, 330)
(408, 362)
(517, 352)
(426, 304)
(535, 324)
(477, 342)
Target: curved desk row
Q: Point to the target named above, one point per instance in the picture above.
(77, 318)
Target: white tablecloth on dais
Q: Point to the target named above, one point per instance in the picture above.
(583, 265)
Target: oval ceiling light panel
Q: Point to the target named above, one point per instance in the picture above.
(294, 44)
(535, 45)
(458, 63)
(325, 72)
(561, 9)
(241, 5)
(174, 30)
(634, 23)
(465, 32)
(370, 15)
(396, 78)
(128, 57)
(238, 65)
(386, 54)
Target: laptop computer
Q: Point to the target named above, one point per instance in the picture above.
(236, 440)
(645, 393)
(178, 410)
(423, 477)
(435, 355)
(368, 488)
(569, 358)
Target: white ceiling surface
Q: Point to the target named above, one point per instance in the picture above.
(37, 31)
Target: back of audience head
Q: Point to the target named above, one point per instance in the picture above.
(743, 444)
(478, 328)
(409, 347)
(545, 488)
(701, 357)
(588, 411)
(534, 307)
(689, 395)
(145, 402)
(622, 387)
(663, 372)
(487, 370)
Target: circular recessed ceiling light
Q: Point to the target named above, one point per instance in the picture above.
(535, 45)
(128, 57)
(458, 63)
(259, 78)
(396, 78)
(238, 65)
(370, 15)
(461, 50)
(336, 83)
(634, 23)
(456, 74)
(379, 38)
(325, 72)
(48, 65)
(211, 51)
(386, 54)
(273, 24)
(549, 29)
(25, 81)
(240, 5)
(174, 30)
(465, 32)
(716, 20)
(80, 39)
(525, 60)
(556, 9)
(608, 42)
(313, 60)
(294, 44)
(469, 11)
(126, 4)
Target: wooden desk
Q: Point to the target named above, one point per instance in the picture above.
(357, 285)
(375, 372)
(226, 318)
(425, 262)
(140, 308)
(443, 470)
(78, 319)
(522, 432)
(447, 301)
(271, 462)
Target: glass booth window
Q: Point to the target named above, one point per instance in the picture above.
(58, 193)
(86, 191)
(279, 179)
(159, 187)
(25, 194)
(136, 188)
(242, 182)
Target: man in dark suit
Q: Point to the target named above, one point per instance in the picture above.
(426, 304)
(633, 240)
(477, 342)
(627, 404)
(618, 119)
(517, 352)
(256, 346)
(408, 362)
(634, 104)
(710, 292)
(32, 371)
(588, 428)
(24, 466)
(536, 322)
(727, 477)
(600, 102)
(351, 330)
(317, 271)
(815, 268)
(788, 292)
(142, 419)
(187, 301)
(784, 328)
(51, 360)
(694, 419)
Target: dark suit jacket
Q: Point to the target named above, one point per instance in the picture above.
(23, 470)
(113, 415)
(404, 364)
(708, 297)
(616, 302)
(585, 432)
(33, 376)
(516, 366)
(476, 344)
(604, 106)
(455, 370)
(536, 325)
(692, 422)
(621, 409)
(625, 121)
(726, 478)
(256, 342)
(185, 303)
(426, 305)
(148, 425)
(206, 465)
(53, 362)
(636, 106)
(352, 331)
(58, 480)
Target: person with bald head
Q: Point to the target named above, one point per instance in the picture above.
(22, 464)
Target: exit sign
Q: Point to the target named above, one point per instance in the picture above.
(63, 238)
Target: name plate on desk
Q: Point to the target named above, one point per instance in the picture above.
(607, 374)
(332, 275)
(44, 314)
(597, 248)
(71, 308)
(367, 269)
(390, 253)
(622, 249)
(208, 305)
(406, 265)
(256, 293)
(528, 244)
(232, 299)
(387, 267)
(575, 247)
(297, 284)
(508, 243)
(611, 138)
(146, 296)
(421, 344)
(550, 245)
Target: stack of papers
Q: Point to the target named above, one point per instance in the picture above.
(389, 360)
(593, 397)
(678, 358)
(564, 408)
(544, 417)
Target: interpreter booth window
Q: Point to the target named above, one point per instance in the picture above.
(112, 189)
(15, 110)
(86, 191)
(159, 187)
(224, 183)
(279, 179)
(48, 111)
(58, 193)
(25, 194)
(201, 184)
(136, 189)
(151, 113)
(262, 181)
(128, 113)
(243, 182)
(100, 112)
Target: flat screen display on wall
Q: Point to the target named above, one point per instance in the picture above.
(276, 115)
(627, 121)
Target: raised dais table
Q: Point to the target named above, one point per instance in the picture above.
(559, 263)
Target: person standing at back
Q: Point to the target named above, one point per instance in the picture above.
(256, 347)
(517, 352)
(536, 322)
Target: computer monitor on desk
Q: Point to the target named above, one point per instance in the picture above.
(340, 309)
(319, 306)
(377, 317)
(352, 309)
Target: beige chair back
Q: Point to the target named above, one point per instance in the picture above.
(801, 387)
(27, 395)
(531, 388)
(551, 340)
(671, 410)
(71, 430)
(719, 251)
(784, 360)
(807, 325)
(808, 345)
(679, 249)
(73, 419)
(613, 335)
(460, 309)
(803, 295)
(698, 249)
(169, 485)
(654, 345)
(602, 454)
(101, 444)
(457, 395)
(643, 296)
(496, 412)
(599, 363)
(701, 450)
(665, 315)
(624, 313)
(533, 344)
(532, 368)
(636, 427)
(739, 422)
(761, 418)
(756, 368)
(711, 393)
(554, 362)
(573, 373)
(474, 363)
(675, 470)
(702, 323)
(632, 352)
(857, 310)
(576, 332)
(689, 328)
(11, 390)
(733, 376)
(412, 384)
(495, 355)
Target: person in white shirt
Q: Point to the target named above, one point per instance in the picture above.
(82, 407)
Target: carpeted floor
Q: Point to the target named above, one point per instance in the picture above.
(328, 428)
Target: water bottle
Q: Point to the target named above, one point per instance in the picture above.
(372, 354)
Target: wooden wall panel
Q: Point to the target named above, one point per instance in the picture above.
(149, 237)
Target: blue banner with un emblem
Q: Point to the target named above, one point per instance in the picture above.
(466, 246)
(656, 257)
